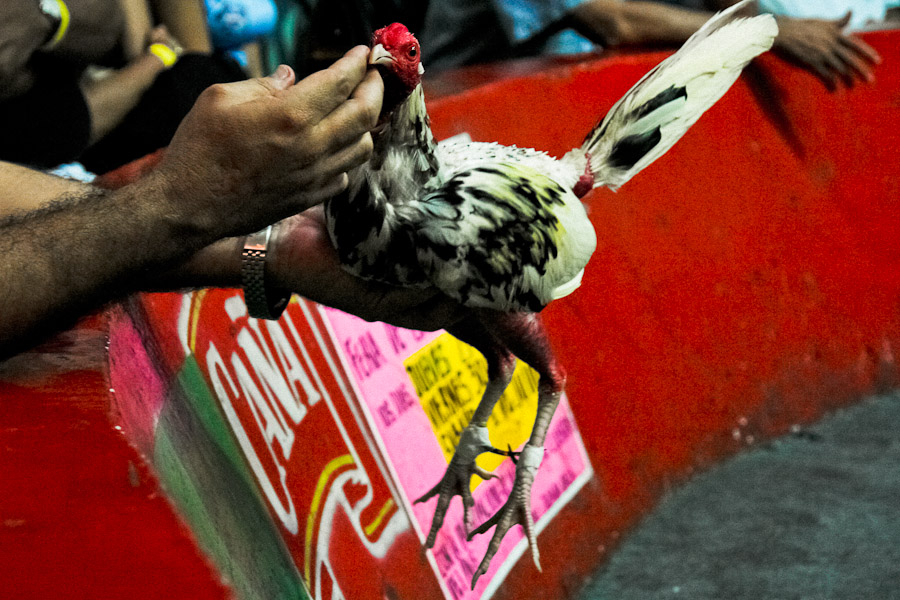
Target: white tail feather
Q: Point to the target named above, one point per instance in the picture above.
(663, 105)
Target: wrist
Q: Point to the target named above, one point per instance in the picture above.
(164, 53)
(175, 209)
(264, 300)
(217, 265)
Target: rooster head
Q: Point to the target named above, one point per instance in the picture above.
(396, 54)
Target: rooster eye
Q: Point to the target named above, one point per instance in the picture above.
(412, 52)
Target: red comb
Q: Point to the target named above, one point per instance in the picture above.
(391, 34)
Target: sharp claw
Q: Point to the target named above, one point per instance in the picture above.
(477, 576)
(517, 510)
(528, 525)
(481, 571)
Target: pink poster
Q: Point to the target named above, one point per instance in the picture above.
(418, 391)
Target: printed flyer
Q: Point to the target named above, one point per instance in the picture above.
(418, 391)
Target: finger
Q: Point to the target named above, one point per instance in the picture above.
(237, 92)
(282, 78)
(838, 67)
(420, 306)
(159, 34)
(346, 158)
(315, 215)
(329, 189)
(860, 47)
(856, 64)
(824, 74)
(440, 312)
(845, 20)
(322, 92)
(391, 304)
(357, 115)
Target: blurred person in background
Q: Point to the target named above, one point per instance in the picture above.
(95, 81)
(463, 32)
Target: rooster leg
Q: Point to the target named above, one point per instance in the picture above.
(524, 335)
(474, 439)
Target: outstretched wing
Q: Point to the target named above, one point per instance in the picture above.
(502, 236)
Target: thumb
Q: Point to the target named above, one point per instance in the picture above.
(845, 20)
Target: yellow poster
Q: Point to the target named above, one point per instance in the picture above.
(450, 376)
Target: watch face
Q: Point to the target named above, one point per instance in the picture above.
(51, 9)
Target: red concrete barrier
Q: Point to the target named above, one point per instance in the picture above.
(746, 282)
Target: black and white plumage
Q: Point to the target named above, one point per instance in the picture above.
(427, 214)
(502, 229)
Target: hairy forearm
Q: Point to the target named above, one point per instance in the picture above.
(23, 189)
(77, 253)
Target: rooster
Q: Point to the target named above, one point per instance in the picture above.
(502, 229)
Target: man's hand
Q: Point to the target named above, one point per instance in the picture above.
(247, 155)
(254, 152)
(822, 47)
(302, 260)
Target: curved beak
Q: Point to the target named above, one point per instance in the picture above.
(380, 56)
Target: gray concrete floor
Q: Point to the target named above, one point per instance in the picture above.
(814, 515)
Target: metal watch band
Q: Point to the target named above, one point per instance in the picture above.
(260, 303)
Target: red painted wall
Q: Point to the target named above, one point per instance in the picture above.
(81, 514)
(745, 282)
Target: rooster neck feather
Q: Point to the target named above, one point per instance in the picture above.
(408, 136)
(374, 239)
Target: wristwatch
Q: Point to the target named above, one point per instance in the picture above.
(57, 13)
(262, 301)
